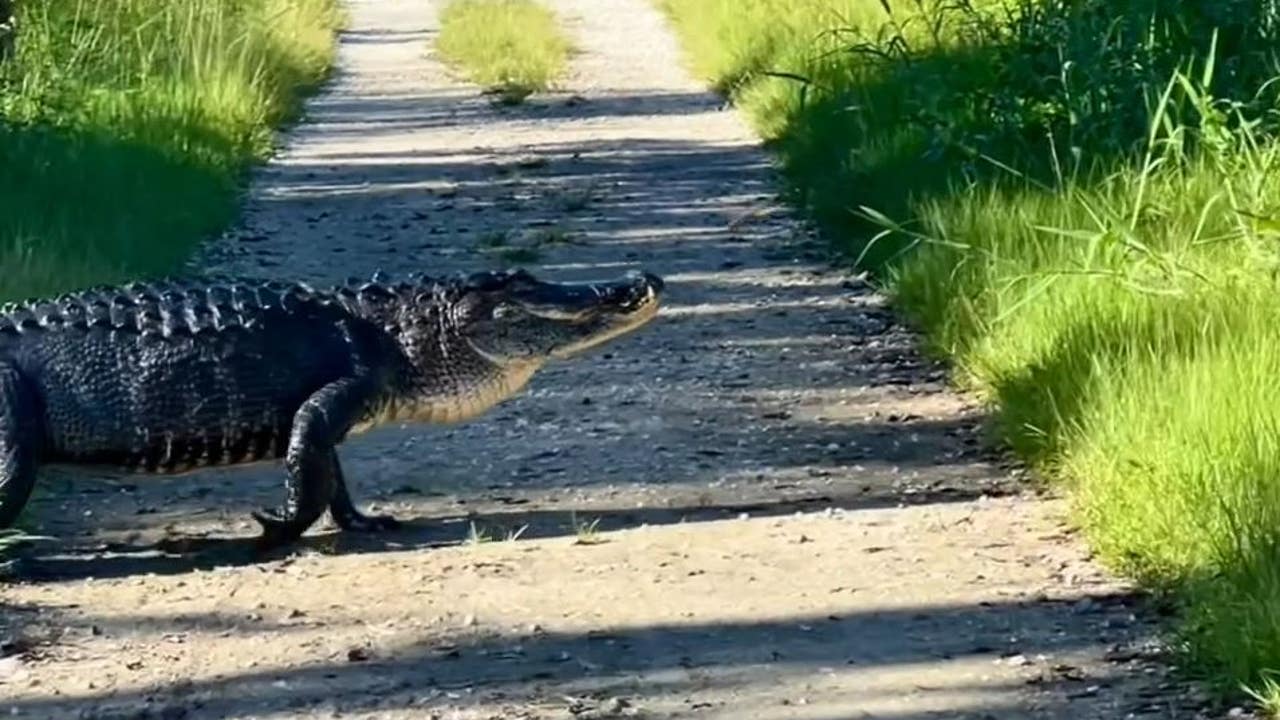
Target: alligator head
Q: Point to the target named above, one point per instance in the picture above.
(476, 340)
(514, 316)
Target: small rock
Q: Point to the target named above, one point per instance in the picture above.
(358, 654)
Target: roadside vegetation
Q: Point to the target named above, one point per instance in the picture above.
(512, 48)
(126, 127)
(1077, 201)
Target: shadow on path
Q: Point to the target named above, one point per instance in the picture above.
(498, 517)
(642, 665)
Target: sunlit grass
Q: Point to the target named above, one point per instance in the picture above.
(1060, 199)
(126, 127)
(510, 47)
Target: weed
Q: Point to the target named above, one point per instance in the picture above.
(520, 255)
(499, 243)
(554, 235)
(513, 48)
(494, 239)
(479, 536)
(586, 533)
(476, 535)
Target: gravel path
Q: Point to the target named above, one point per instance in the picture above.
(765, 505)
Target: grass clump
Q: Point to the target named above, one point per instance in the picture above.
(126, 126)
(512, 48)
(1076, 200)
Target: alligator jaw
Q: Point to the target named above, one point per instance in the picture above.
(621, 324)
(604, 311)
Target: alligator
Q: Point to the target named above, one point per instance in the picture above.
(171, 375)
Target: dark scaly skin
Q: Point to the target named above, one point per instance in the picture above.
(172, 376)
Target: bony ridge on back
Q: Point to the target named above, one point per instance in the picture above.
(172, 375)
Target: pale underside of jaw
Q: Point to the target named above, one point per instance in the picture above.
(623, 325)
(508, 378)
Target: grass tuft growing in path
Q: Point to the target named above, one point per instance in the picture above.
(1077, 203)
(512, 48)
(126, 126)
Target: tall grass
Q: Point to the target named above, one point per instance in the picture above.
(513, 48)
(1076, 200)
(126, 126)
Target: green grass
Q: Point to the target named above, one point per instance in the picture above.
(510, 47)
(126, 127)
(1076, 202)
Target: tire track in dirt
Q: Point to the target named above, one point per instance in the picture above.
(766, 505)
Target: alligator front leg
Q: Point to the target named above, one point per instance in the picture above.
(312, 475)
(19, 441)
(344, 511)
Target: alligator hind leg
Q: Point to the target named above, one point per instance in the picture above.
(19, 440)
(312, 476)
(344, 511)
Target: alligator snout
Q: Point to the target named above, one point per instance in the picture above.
(644, 281)
(653, 281)
(638, 288)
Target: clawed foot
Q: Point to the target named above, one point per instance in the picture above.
(276, 531)
(359, 522)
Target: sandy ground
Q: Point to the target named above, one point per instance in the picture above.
(764, 505)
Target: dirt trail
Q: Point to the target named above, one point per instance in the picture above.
(794, 517)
